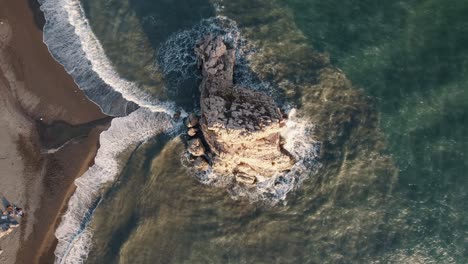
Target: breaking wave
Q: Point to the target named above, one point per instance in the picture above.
(298, 134)
(178, 62)
(72, 43)
(176, 58)
(70, 40)
(117, 145)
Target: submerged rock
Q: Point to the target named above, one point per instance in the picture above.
(241, 126)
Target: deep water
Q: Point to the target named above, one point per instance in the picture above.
(412, 56)
(393, 183)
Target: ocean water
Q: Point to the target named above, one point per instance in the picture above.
(380, 87)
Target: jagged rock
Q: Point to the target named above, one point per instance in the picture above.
(195, 147)
(201, 164)
(191, 120)
(192, 131)
(244, 178)
(240, 126)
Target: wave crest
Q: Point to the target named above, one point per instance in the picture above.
(117, 144)
(72, 43)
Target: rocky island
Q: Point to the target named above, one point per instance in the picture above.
(238, 132)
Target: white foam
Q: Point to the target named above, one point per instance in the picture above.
(73, 234)
(70, 39)
(72, 43)
(300, 143)
(298, 135)
(177, 54)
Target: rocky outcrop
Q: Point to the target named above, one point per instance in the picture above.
(195, 147)
(192, 132)
(191, 121)
(240, 127)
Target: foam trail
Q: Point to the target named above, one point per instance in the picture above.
(117, 143)
(70, 40)
(73, 44)
(299, 136)
(176, 55)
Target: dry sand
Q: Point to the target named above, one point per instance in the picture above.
(33, 86)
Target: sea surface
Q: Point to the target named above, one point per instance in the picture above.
(380, 87)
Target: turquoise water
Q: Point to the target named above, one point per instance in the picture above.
(392, 188)
(412, 57)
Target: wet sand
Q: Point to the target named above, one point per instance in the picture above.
(51, 93)
(33, 87)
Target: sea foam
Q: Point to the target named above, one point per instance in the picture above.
(298, 134)
(117, 144)
(71, 41)
(176, 57)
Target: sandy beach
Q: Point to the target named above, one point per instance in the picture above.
(35, 89)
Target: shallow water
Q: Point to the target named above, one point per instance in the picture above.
(392, 183)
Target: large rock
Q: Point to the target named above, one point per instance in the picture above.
(201, 164)
(246, 179)
(195, 147)
(192, 132)
(191, 120)
(241, 126)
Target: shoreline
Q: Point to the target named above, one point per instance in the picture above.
(46, 249)
(36, 87)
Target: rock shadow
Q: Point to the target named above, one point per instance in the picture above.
(159, 20)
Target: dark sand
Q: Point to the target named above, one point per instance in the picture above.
(34, 86)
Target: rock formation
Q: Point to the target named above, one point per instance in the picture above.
(195, 147)
(240, 127)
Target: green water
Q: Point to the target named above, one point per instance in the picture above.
(412, 56)
(393, 186)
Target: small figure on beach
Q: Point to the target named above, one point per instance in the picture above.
(14, 211)
(4, 221)
(9, 218)
(19, 211)
(10, 209)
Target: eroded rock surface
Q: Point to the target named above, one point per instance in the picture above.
(241, 127)
(195, 147)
